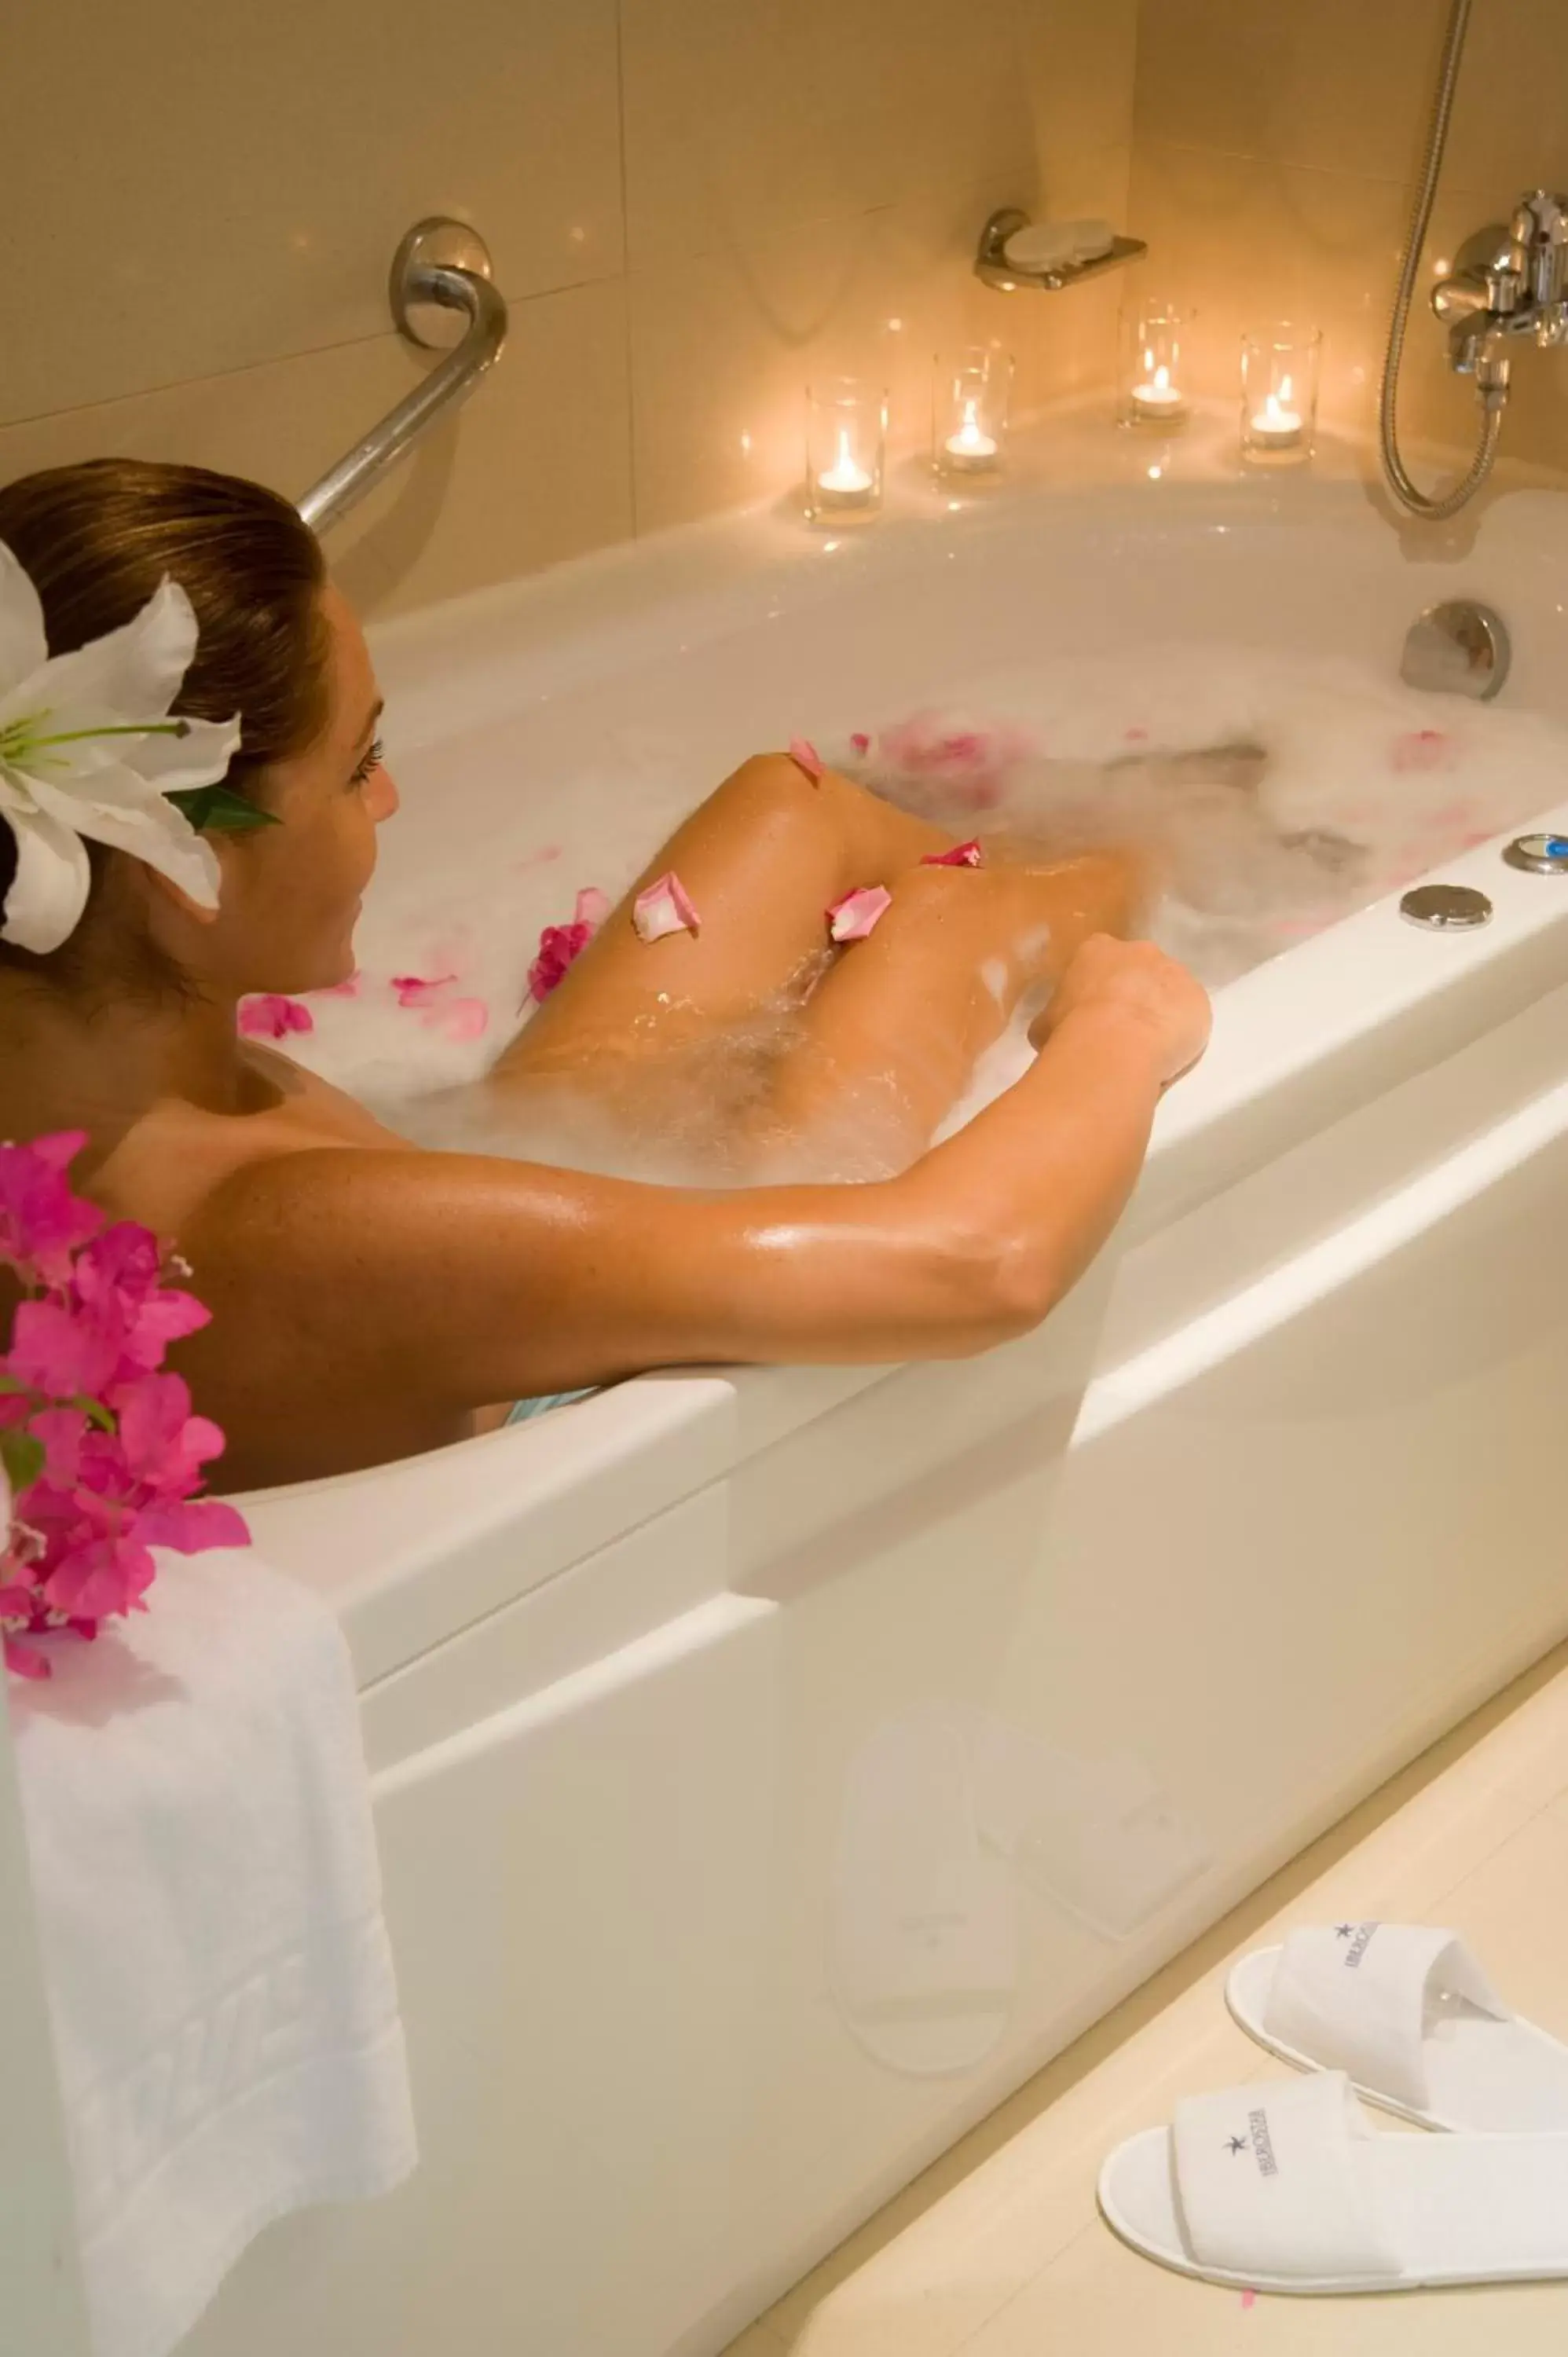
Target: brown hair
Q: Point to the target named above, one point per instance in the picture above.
(96, 539)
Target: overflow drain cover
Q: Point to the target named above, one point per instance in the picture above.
(1460, 647)
(1446, 908)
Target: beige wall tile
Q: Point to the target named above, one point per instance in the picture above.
(1330, 260)
(723, 345)
(746, 117)
(535, 468)
(212, 187)
(1080, 56)
(1339, 84)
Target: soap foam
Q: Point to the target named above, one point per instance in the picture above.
(1280, 794)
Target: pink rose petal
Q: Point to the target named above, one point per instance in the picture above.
(1249, 2299)
(273, 1017)
(664, 907)
(962, 855)
(1421, 748)
(859, 912)
(593, 907)
(805, 756)
(463, 1019)
(860, 742)
(414, 990)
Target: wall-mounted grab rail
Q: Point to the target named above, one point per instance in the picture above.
(441, 274)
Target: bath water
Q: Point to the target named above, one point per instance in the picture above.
(1280, 794)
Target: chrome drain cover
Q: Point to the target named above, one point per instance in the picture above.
(1446, 908)
(1459, 647)
(1539, 855)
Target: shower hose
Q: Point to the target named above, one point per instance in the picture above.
(1434, 510)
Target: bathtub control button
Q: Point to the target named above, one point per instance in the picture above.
(1446, 908)
(1539, 855)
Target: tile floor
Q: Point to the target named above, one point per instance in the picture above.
(998, 2251)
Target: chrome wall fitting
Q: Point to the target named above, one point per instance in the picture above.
(1446, 908)
(991, 265)
(440, 295)
(1459, 647)
(1539, 855)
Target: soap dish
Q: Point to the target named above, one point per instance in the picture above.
(1014, 252)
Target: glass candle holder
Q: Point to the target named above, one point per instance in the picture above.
(1279, 392)
(846, 450)
(970, 393)
(1153, 388)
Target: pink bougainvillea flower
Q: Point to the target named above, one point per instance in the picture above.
(860, 743)
(56, 1351)
(25, 1660)
(62, 1431)
(859, 912)
(163, 1444)
(102, 1578)
(41, 1221)
(805, 756)
(664, 907)
(416, 990)
(188, 1525)
(962, 855)
(1421, 748)
(560, 946)
(274, 1016)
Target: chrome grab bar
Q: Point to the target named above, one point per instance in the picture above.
(440, 273)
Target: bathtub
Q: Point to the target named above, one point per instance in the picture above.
(774, 1768)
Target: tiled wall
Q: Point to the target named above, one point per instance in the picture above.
(1276, 144)
(693, 206)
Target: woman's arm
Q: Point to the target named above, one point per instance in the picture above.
(470, 1280)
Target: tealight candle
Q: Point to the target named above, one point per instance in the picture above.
(1276, 427)
(846, 428)
(1151, 377)
(1279, 392)
(1157, 397)
(970, 390)
(970, 446)
(843, 478)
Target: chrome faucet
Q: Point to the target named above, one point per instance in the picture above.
(1507, 283)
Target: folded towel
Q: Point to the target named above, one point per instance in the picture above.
(208, 1904)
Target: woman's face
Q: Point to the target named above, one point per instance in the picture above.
(291, 893)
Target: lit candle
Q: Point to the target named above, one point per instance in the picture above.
(1157, 397)
(970, 447)
(845, 480)
(1276, 427)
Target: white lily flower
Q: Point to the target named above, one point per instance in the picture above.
(87, 750)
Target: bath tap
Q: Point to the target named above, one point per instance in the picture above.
(1507, 283)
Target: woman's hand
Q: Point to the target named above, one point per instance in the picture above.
(1141, 985)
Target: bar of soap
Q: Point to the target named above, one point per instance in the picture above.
(1059, 245)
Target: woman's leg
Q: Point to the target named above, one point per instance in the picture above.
(762, 859)
(889, 1039)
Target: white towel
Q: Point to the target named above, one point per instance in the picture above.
(209, 1901)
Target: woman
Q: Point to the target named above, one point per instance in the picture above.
(371, 1301)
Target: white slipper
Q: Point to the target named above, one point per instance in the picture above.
(1285, 2186)
(1408, 2013)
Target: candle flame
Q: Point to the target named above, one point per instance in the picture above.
(1284, 391)
(846, 456)
(1161, 379)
